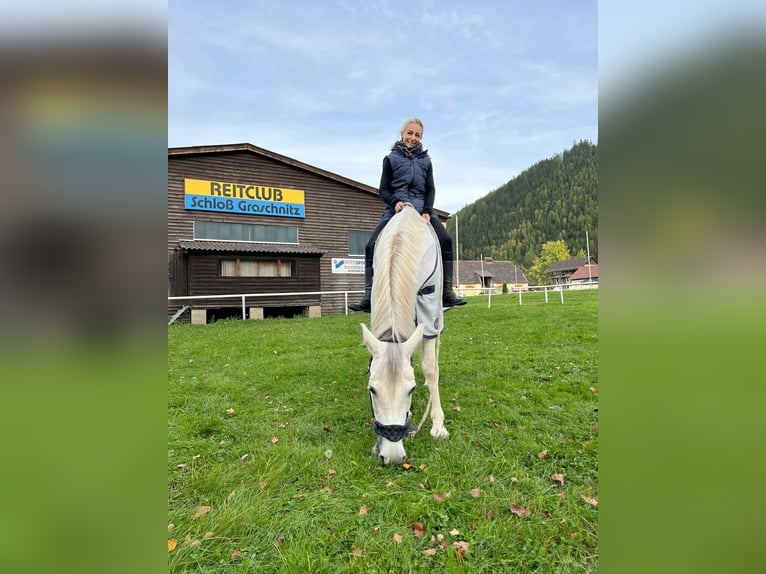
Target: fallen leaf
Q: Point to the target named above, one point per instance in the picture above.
(418, 530)
(362, 511)
(230, 411)
(181, 465)
(456, 408)
(200, 511)
(422, 467)
(208, 535)
(429, 551)
(244, 456)
(331, 471)
(520, 511)
(236, 554)
(196, 456)
(274, 440)
(542, 454)
(593, 501)
(172, 544)
(462, 548)
(389, 484)
(397, 538)
(356, 551)
(491, 478)
(421, 485)
(593, 389)
(514, 479)
(262, 485)
(231, 495)
(196, 544)
(476, 492)
(572, 535)
(454, 532)
(280, 539)
(489, 515)
(326, 489)
(558, 478)
(365, 494)
(376, 530)
(441, 497)
(171, 526)
(406, 465)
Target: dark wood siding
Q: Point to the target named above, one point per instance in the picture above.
(332, 208)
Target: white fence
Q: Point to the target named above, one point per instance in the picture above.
(547, 290)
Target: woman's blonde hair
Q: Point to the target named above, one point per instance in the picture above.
(412, 121)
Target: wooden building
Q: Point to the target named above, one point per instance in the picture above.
(245, 220)
(478, 276)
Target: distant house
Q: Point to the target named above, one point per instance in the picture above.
(561, 271)
(588, 273)
(477, 275)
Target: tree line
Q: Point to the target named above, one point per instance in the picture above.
(554, 200)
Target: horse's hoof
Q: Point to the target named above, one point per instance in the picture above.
(440, 432)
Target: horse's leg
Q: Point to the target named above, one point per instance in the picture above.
(430, 365)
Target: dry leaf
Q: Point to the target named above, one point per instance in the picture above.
(593, 501)
(514, 479)
(489, 515)
(356, 551)
(520, 511)
(196, 456)
(172, 544)
(558, 478)
(262, 485)
(331, 471)
(429, 551)
(491, 478)
(406, 465)
(200, 511)
(376, 530)
(326, 489)
(181, 465)
(389, 484)
(231, 495)
(362, 511)
(196, 544)
(456, 408)
(171, 526)
(398, 538)
(208, 535)
(462, 548)
(441, 497)
(236, 554)
(542, 454)
(454, 532)
(280, 539)
(418, 530)
(572, 535)
(593, 389)
(274, 440)
(230, 411)
(244, 456)
(476, 492)
(421, 485)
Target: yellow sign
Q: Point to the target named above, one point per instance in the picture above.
(243, 198)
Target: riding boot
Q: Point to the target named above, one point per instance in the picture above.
(365, 303)
(449, 297)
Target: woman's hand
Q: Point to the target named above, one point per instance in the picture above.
(399, 206)
(426, 217)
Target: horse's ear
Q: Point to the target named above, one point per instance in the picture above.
(412, 343)
(369, 339)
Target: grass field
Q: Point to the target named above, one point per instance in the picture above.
(269, 437)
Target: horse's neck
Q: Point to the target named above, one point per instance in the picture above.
(397, 278)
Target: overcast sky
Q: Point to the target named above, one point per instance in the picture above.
(498, 85)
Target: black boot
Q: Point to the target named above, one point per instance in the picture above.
(365, 304)
(449, 298)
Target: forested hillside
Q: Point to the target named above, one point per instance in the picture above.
(556, 198)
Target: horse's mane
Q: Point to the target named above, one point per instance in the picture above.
(398, 253)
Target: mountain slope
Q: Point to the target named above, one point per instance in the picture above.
(556, 198)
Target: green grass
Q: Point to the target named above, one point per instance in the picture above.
(515, 380)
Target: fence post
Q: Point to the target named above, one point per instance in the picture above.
(546, 293)
(244, 315)
(561, 290)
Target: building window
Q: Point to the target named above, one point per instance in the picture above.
(257, 267)
(245, 232)
(357, 240)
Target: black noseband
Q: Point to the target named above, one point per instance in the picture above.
(393, 433)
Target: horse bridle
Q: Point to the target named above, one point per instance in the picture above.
(393, 433)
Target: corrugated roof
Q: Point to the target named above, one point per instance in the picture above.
(245, 246)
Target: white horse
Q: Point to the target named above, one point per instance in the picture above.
(406, 311)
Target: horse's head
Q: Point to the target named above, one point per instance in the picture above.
(392, 381)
